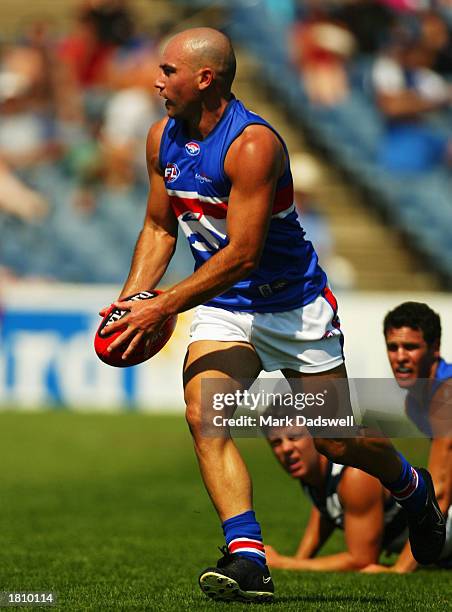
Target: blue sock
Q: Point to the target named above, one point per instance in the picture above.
(243, 536)
(409, 490)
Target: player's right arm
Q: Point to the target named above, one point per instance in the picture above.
(440, 458)
(157, 240)
(317, 532)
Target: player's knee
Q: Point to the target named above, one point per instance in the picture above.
(335, 450)
(193, 418)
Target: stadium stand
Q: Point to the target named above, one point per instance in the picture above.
(83, 237)
(63, 146)
(349, 133)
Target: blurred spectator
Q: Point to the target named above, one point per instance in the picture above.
(115, 70)
(27, 127)
(101, 26)
(18, 200)
(307, 177)
(445, 8)
(128, 115)
(438, 41)
(369, 22)
(320, 49)
(407, 89)
(74, 115)
(132, 107)
(26, 133)
(407, 6)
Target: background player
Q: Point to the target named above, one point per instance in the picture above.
(223, 173)
(342, 498)
(413, 336)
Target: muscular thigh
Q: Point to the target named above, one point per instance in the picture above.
(227, 365)
(332, 385)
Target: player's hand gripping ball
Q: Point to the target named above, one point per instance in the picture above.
(147, 347)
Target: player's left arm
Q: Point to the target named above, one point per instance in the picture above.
(440, 458)
(254, 163)
(362, 499)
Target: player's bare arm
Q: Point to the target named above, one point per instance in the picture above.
(157, 240)
(317, 532)
(440, 466)
(440, 412)
(363, 501)
(254, 163)
(361, 498)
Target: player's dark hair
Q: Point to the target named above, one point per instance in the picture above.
(416, 315)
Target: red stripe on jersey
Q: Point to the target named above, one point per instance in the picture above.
(283, 199)
(330, 298)
(235, 546)
(210, 209)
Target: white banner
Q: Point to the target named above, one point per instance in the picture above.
(47, 357)
(48, 360)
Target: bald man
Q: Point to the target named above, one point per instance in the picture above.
(262, 301)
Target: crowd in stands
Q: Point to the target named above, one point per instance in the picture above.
(372, 78)
(371, 81)
(75, 109)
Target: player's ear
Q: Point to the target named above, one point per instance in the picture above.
(205, 78)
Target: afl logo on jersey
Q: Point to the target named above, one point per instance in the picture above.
(171, 172)
(192, 148)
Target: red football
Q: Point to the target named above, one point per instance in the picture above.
(145, 349)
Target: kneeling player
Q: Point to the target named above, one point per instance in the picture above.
(342, 498)
(412, 333)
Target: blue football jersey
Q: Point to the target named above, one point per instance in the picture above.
(418, 409)
(288, 275)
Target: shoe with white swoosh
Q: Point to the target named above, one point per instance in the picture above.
(236, 578)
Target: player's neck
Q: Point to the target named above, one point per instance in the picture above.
(316, 477)
(434, 368)
(201, 126)
(421, 388)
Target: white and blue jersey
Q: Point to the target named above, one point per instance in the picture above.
(288, 275)
(418, 409)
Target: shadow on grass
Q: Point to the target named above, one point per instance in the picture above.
(330, 599)
(320, 599)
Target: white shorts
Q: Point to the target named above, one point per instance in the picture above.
(307, 339)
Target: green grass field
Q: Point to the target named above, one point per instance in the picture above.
(108, 512)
